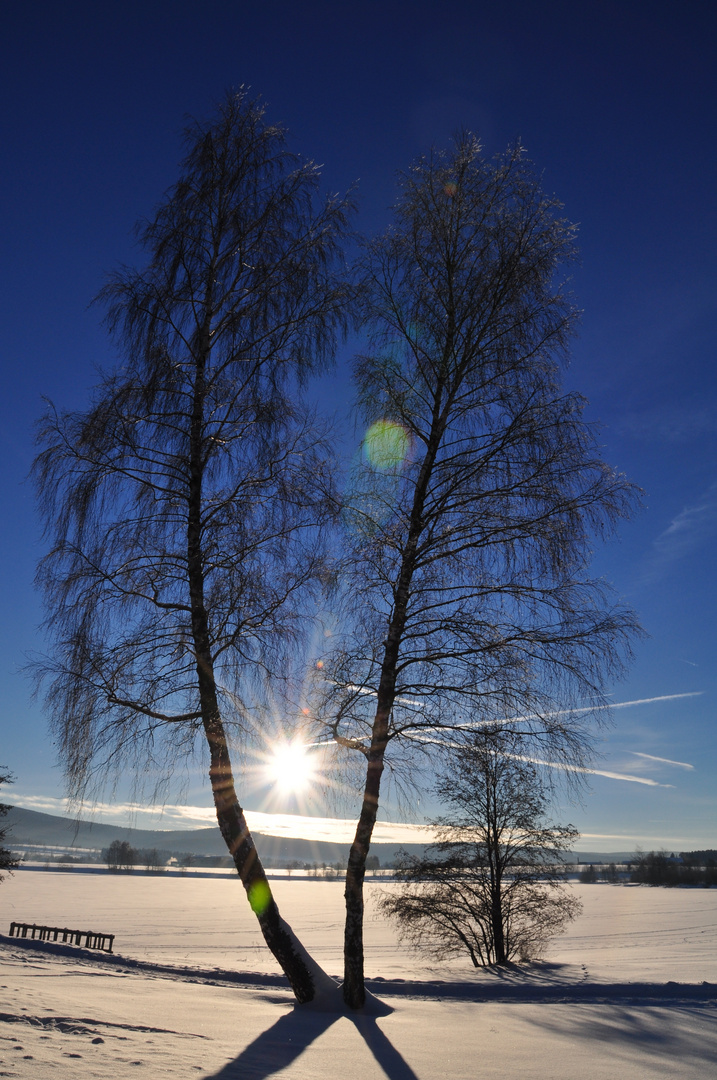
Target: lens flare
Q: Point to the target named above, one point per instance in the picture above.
(386, 444)
(451, 188)
(259, 895)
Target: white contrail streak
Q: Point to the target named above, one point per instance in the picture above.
(664, 760)
(552, 764)
(373, 693)
(649, 700)
(593, 772)
(541, 716)
(601, 708)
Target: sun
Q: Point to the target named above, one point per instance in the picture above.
(290, 767)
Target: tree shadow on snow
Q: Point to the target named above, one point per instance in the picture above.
(393, 1064)
(281, 1044)
(673, 1032)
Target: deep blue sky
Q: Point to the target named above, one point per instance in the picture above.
(616, 103)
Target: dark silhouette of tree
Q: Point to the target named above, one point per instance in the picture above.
(8, 861)
(120, 855)
(472, 512)
(492, 885)
(659, 868)
(183, 505)
(153, 859)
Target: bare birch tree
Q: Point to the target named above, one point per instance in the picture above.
(183, 505)
(493, 884)
(472, 512)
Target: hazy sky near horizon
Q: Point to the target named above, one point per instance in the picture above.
(616, 103)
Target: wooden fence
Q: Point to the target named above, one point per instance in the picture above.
(87, 939)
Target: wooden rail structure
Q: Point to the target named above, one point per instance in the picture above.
(92, 940)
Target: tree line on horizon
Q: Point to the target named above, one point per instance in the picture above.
(209, 555)
(122, 856)
(656, 868)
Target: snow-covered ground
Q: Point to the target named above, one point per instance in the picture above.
(630, 990)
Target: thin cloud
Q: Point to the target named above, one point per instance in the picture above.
(336, 830)
(679, 423)
(630, 839)
(662, 760)
(154, 817)
(686, 533)
(289, 826)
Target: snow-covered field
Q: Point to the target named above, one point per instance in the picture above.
(629, 991)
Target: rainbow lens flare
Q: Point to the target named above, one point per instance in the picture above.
(259, 895)
(386, 444)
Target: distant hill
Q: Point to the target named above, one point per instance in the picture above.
(40, 832)
(29, 828)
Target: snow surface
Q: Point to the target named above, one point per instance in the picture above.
(630, 990)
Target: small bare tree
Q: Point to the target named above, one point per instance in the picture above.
(472, 511)
(493, 884)
(182, 505)
(8, 861)
(154, 861)
(120, 855)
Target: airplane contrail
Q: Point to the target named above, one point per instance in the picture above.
(550, 764)
(665, 760)
(539, 716)
(600, 708)
(593, 772)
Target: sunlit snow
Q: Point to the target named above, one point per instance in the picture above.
(630, 990)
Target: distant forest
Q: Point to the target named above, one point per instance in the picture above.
(659, 868)
(644, 868)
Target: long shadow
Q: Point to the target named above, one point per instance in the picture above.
(281, 1044)
(393, 1064)
(278, 1046)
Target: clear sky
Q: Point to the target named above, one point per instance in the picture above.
(616, 102)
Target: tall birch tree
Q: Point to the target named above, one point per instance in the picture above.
(182, 506)
(472, 512)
